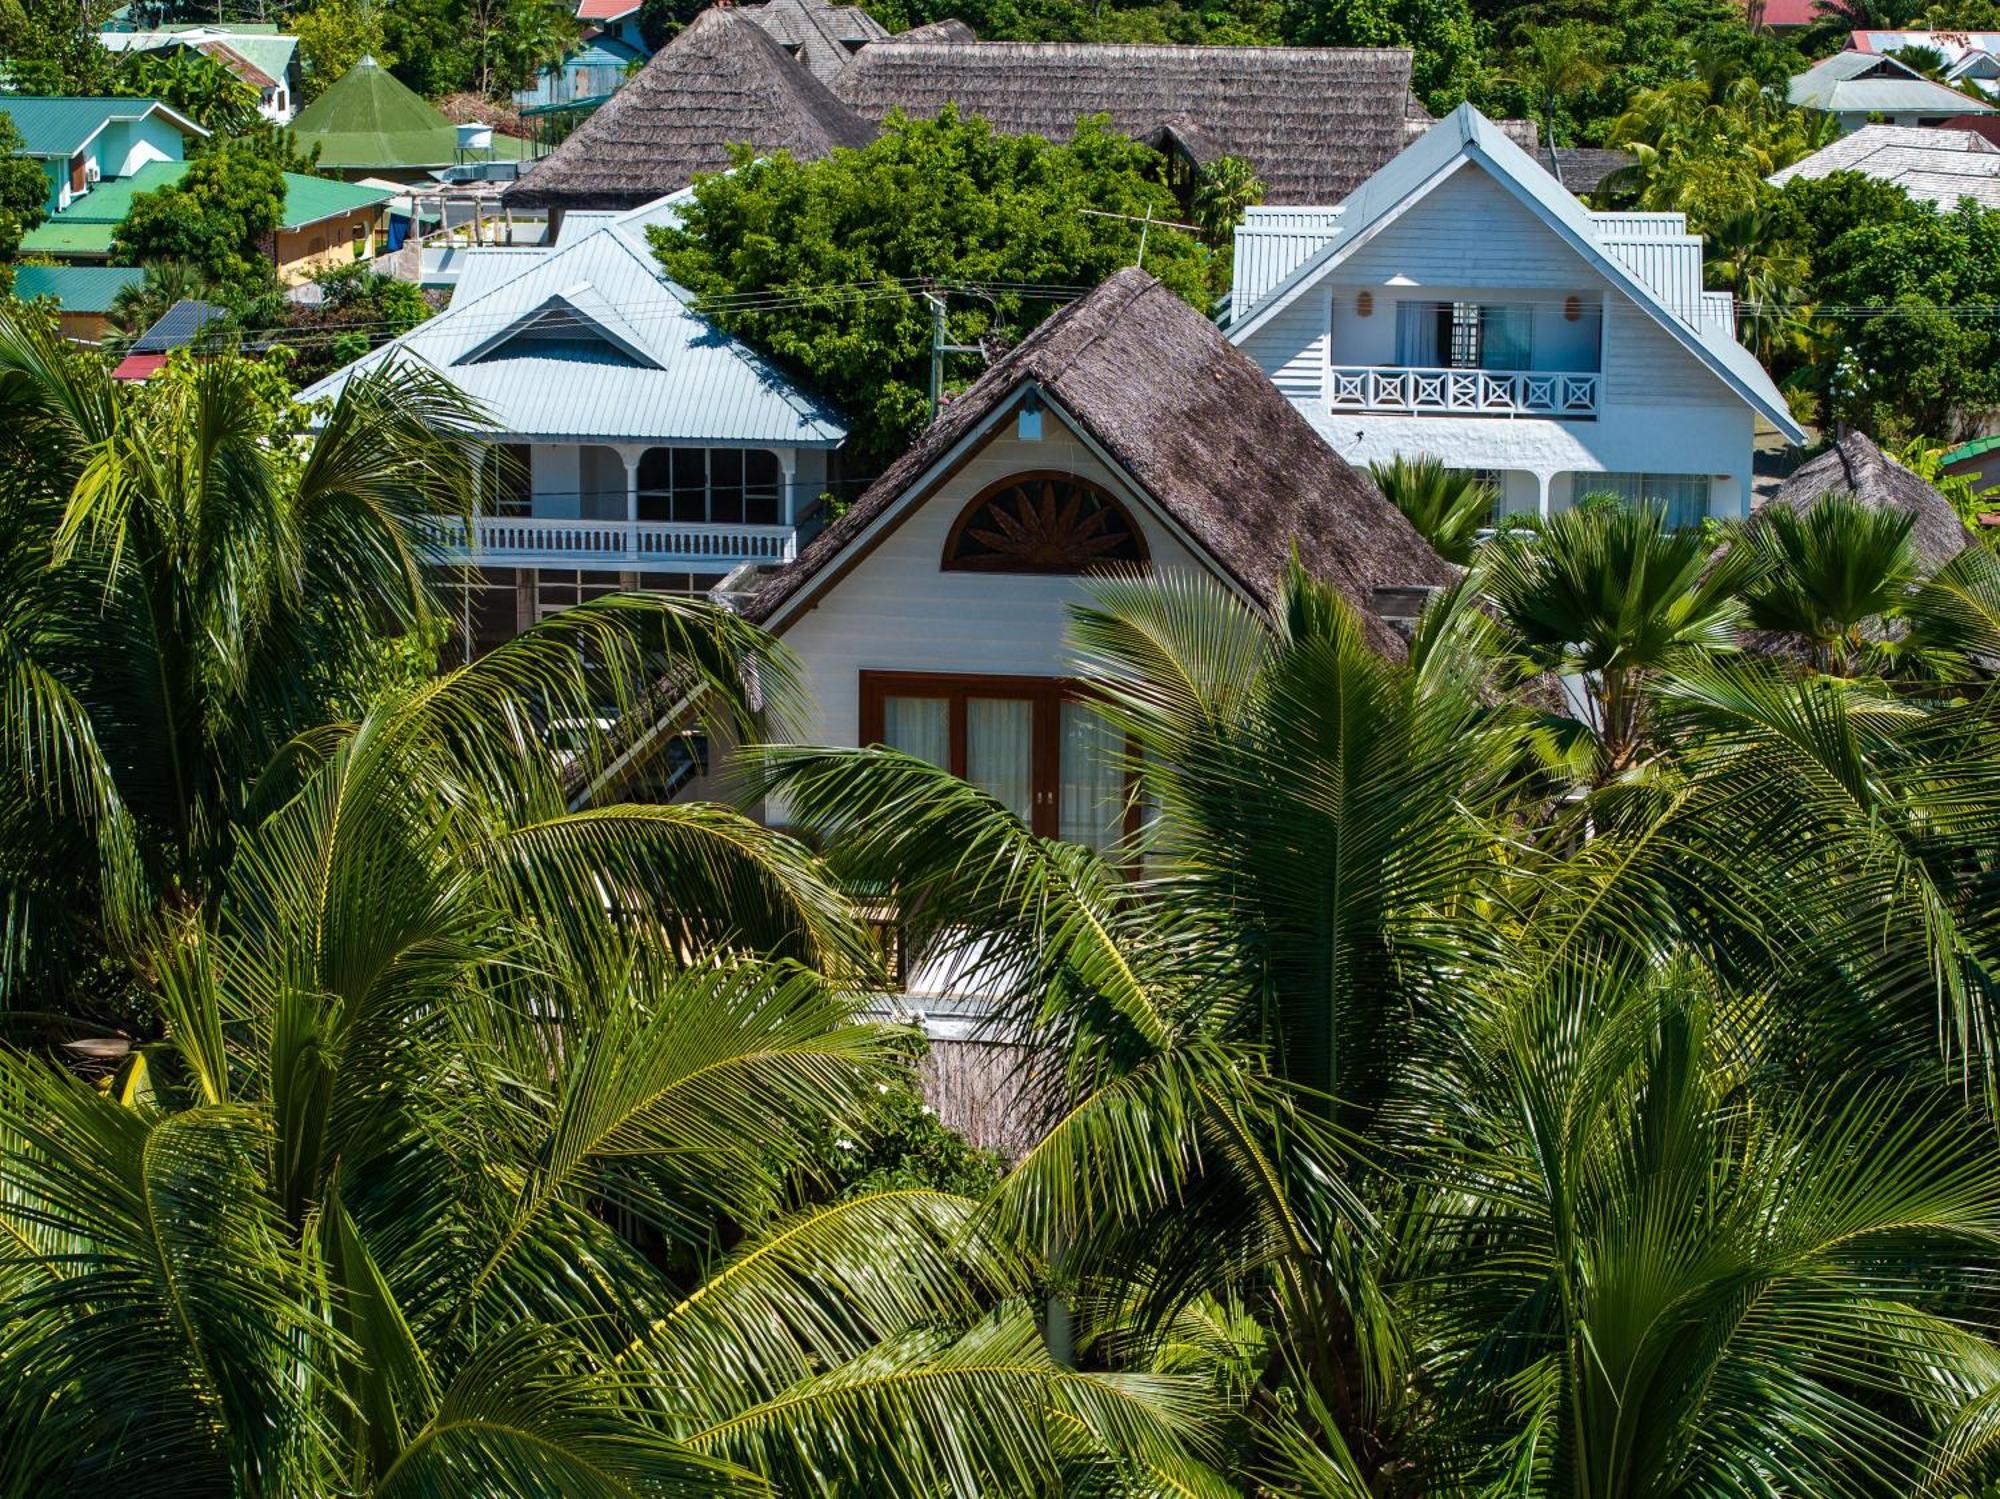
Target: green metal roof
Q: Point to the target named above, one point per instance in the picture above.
(60, 127)
(1973, 449)
(368, 118)
(86, 226)
(79, 288)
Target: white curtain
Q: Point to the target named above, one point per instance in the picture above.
(1000, 751)
(919, 726)
(1093, 779)
(1417, 335)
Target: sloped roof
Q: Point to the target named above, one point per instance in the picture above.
(1936, 165)
(823, 36)
(1312, 121)
(1655, 262)
(601, 11)
(592, 343)
(1859, 82)
(370, 118)
(179, 326)
(76, 288)
(1582, 169)
(86, 226)
(53, 127)
(1195, 425)
(1855, 465)
(267, 54)
(722, 82)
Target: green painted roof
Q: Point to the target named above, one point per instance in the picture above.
(368, 118)
(85, 227)
(79, 288)
(59, 127)
(1973, 449)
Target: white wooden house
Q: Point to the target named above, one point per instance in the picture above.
(636, 445)
(1461, 304)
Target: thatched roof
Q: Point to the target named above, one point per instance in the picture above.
(1855, 465)
(953, 31)
(1582, 169)
(823, 36)
(1199, 427)
(1313, 121)
(722, 82)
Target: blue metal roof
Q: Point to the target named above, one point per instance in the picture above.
(592, 343)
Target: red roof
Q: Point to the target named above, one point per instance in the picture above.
(139, 366)
(604, 10)
(1782, 12)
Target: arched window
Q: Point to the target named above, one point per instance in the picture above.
(1043, 523)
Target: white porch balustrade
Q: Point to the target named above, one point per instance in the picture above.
(615, 545)
(1423, 392)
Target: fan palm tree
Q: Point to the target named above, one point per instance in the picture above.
(1831, 575)
(1612, 594)
(467, 1164)
(1449, 507)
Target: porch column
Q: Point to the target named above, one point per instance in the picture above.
(631, 456)
(1543, 483)
(788, 469)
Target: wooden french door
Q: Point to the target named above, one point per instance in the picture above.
(1030, 742)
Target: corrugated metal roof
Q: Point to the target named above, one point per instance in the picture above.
(1640, 225)
(1862, 83)
(78, 288)
(693, 383)
(1467, 136)
(266, 50)
(60, 127)
(1671, 267)
(85, 227)
(1266, 256)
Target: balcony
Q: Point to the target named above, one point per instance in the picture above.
(617, 546)
(1570, 395)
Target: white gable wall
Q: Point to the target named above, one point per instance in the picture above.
(1661, 410)
(898, 610)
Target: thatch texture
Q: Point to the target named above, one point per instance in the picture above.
(1199, 428)
(1855, 465)
(824, 37)
(1313, 121)
(720, 83)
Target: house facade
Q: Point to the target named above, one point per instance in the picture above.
(1462, 305)
(256, 53)
(84, 142)
(1123, 435)
(631, 444)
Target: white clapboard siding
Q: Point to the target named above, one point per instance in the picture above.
(1291, 348)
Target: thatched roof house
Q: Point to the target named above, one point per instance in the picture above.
(1855, 465)
(1313, 121)
(722, 82)
(1198, 428)
(824, 37)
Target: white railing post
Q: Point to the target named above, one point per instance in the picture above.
(1469, 392)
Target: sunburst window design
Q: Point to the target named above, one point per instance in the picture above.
(1043, 523)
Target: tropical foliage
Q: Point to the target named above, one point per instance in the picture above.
(1449, 507)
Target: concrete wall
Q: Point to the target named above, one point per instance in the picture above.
(302, 253)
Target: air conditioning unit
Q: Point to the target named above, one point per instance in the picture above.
(91, 172)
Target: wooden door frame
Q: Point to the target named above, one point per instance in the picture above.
(956, 688)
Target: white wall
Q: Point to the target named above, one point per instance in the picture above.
(898, 610)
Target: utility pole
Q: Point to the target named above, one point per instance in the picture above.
(939, 348)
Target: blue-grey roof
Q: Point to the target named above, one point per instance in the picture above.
(60, 127)
(591, 342)
(1640, 254)
(178, 327)
(1861, 83)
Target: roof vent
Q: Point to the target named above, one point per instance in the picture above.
(1400, 607)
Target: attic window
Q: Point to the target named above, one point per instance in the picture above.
(1043, 523)
(556, 331)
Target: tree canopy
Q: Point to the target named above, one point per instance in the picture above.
(824, 265)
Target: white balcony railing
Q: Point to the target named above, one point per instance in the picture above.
(607, 545)
(1425, 392)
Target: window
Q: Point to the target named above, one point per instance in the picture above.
(1464, 335)
(1030, 742)
(736, 486)
(1684, 497)
(1043, 523)
(506, 479)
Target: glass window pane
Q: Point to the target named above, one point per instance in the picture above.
(919, 726)
(1093, 779)
(1000, 751)
(762, 487)
(1506, 337)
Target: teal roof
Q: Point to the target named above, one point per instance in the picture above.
(1974, 449)
(86, 226)
(260, 46)
(62, 127)
(79, 288)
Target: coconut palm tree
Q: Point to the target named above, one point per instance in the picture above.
(1550, 63)
(163, 283)
(1612, 594)
(468, 1161)
(1449, 507)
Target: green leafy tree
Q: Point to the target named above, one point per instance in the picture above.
(195, 84)
(220, 219)
(24, 198)
(1450, 46)
(660, 21)
(1552, 64)
(324, 334)
(850, 241)
(333, 36)
(51, 46)
(1225, 189)
(162, 283)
